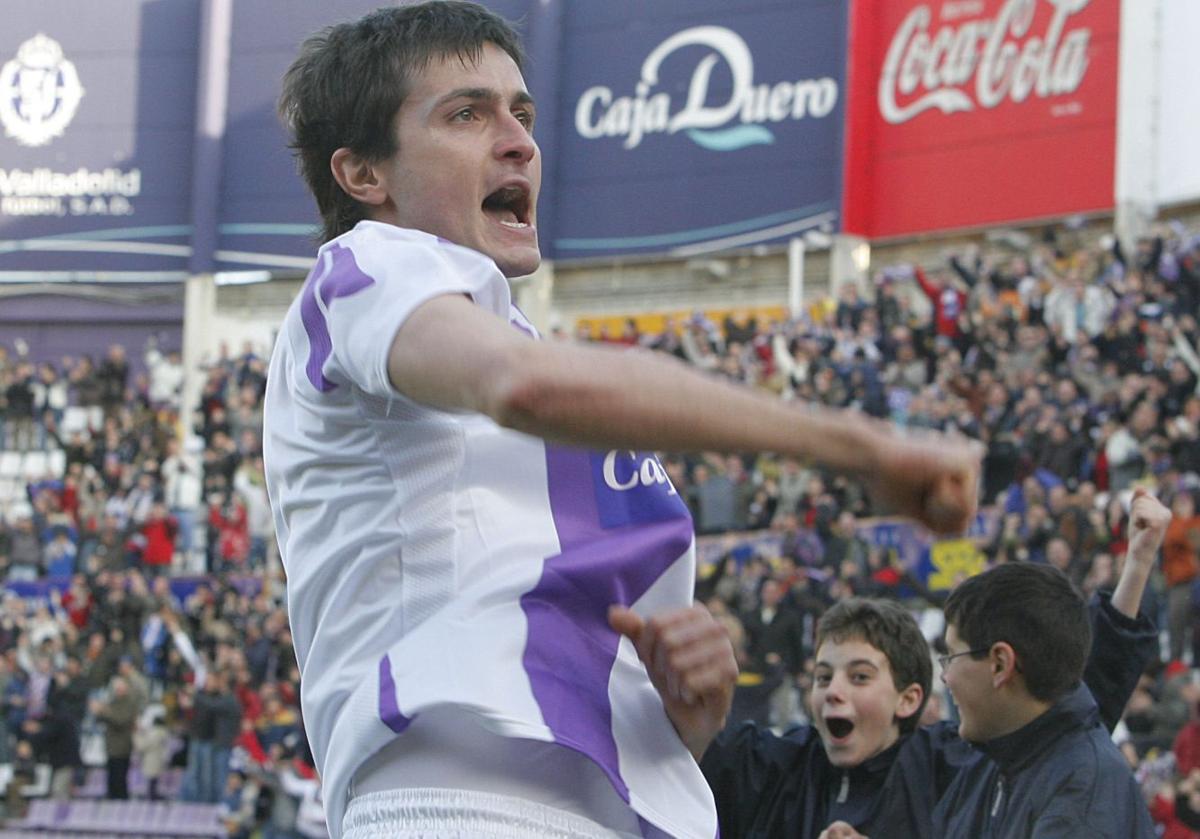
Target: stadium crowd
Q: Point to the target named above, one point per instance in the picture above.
(144, 625)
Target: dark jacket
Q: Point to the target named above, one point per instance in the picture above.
(57, 741)
(68, 699)
(1059, 776)
(119, 717)
(767, 785)
(783, 636)
(227, 721)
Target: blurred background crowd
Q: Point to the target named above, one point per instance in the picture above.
(144, 644)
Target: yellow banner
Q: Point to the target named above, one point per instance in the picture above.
(954, 561)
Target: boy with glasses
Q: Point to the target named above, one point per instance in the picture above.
(1018, 637)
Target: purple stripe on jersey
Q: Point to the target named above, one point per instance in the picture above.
(606, 558)
(343, 278)
(389, 711)
(524, 327)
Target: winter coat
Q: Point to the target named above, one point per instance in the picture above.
(152, 744)
(1060, 775)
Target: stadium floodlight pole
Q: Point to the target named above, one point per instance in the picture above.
(212, 97)
(795, 276)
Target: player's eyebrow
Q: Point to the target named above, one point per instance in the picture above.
(484, 94)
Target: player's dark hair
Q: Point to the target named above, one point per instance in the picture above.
(350, 79)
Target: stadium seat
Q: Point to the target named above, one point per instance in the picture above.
(82, 816)
(193, 820)
(95, 783)
(42, 814)
(74, 419)
(111, 815)
(57, 463)
(34, 466)
(41, 782)
(10, 464)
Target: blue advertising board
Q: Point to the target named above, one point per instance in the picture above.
(688, 127)
(97, 108)
(666, 127)
(267, 218)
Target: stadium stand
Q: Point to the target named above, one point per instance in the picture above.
(143, 633)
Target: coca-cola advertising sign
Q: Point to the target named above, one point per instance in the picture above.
(975, 112)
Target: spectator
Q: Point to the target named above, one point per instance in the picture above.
(119, 715)
(229, 526)
(250, 484)
(775, 647)
(1181, 564)
(19, 402)
(15, 697)
(158, 540)
(60, 554)
(227, 724)
(1053, 768)
(947, 301)
(166, 375)
(24, 771)
(151, 746)
(216, 725)
(49, 399)
(112, 378)
(25, 552)
(238, 805)
(277, 724)
(55, 742)
(182, 478)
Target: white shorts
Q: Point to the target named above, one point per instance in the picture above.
(434, 813)
(449, 749)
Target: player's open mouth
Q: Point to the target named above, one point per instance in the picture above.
(839, 729)
(509, 205)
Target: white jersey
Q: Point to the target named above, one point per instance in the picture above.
(438, 561)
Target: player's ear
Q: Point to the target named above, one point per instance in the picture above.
(357, 177)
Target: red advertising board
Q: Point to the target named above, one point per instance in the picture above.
(976, 112)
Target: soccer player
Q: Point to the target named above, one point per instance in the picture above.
(459, 504)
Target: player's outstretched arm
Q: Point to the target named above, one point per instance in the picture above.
(452, 354)
(691, 664)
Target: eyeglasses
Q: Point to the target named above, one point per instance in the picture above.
(944, 660)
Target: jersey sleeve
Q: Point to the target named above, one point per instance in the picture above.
(363, 289)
